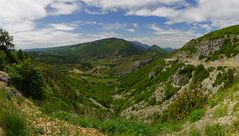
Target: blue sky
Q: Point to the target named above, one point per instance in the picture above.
(167, 23)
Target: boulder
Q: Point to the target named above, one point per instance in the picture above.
(4, 77)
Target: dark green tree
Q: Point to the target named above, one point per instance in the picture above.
(29, 80)
(20, 55)
(6, 41)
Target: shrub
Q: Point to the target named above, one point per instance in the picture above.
(196, 115)
(220, 111)
(29, 80)
(200, 74)
(225, 77)
(184, 104)
(2, 60)
(194, 132)
(214, 130)
(14, 124)
(111, 127)
(187, 71)
(170, 91)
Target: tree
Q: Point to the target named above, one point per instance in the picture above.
(29, 80)
(20, 55)
(6, 41)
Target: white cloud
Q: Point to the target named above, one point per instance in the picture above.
(128, 4)
(160, 12)
(49, 37)
(136, 25)
(226, 11)
(19, 17)
(120, 26)
(63, 27)
(219, 13)
(169, 37)
(64, 7)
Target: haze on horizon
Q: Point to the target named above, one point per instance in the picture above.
(167, 23)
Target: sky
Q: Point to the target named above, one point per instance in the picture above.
(166, 23)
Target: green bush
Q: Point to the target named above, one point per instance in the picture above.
(29, 80)
(220, 111)
(14, 124)
(187, 71)
(200, 74)
(2, 60)
(225, 77)
(184, 104)
(194, 132)
(170, 91)
(214, 130)
(196, 115)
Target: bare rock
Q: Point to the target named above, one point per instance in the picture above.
(209, 46)
(4, 77)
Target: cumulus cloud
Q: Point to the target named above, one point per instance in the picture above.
(128, 4)
(169, 37)
(210, 10)
(64, 7)
(219, 13)
(19, 17)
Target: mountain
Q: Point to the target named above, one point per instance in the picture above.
(187, 86)
(139, 44)
(169, 49)
(190, 91)
(159, 50)
(117, 55)
(111, 47)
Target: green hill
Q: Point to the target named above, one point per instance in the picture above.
(112, 56)
(106, 48)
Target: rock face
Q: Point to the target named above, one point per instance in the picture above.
(207, 47)
(4, 77)
(179, 80)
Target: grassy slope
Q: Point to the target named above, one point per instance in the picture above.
(19, 116)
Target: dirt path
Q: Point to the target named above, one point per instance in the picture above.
(233, 62)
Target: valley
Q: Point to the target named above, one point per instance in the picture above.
(121, 88)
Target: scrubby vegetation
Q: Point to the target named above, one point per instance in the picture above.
(196, 115)
(200, 73)
(116, 126)
(214, 130)
(13, 123)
